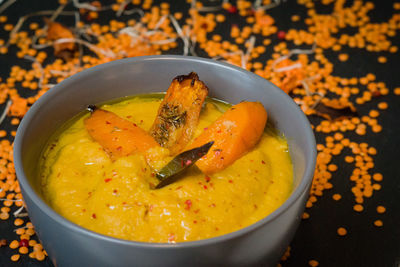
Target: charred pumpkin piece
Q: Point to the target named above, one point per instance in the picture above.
(117, 136)
(234, 133)
(179, 112)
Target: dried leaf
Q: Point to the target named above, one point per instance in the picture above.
(56, 31)
(169, 173)
(335, 110)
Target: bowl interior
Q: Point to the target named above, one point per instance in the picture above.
(153, 74)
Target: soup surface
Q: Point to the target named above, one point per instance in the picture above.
(115, 198)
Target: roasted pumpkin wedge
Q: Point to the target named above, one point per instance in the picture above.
(234, 133)
(117, 136)
(179, 112)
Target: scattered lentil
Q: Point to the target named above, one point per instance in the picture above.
(358, 207)
(336, 197)
(23, 250)
(341, 231)
(14, 244)
(381, 209)
(15, 257)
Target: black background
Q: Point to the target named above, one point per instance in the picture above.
(316, 238)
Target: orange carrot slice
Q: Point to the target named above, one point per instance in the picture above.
(234, 133)
(179, 112)
(117, 136)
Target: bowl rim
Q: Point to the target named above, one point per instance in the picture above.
(41, 204)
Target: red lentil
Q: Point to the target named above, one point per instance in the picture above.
(341, 231)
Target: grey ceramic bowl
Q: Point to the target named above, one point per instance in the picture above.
(68, 244)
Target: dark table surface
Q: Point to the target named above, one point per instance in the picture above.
(316, 238)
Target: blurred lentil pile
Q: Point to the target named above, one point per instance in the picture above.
(51, 45)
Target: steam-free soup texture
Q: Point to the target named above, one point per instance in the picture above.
(116, 198)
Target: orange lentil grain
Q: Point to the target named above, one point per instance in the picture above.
(343, 57)
(332, 167)
(376, 187)
(15, 257)
(20, 231)
(376, 128)
(378, 223)
(374, 113)
(383, 105)
(4, 215)
(380, 209)
(295, 18)
(382, 59)
(14, 244)
(37, 247)
(40, 256)
(23, 250)
(313, 263)
(358, 207)
(8, 27)
(220, 18)
(18, 222)
(336, 197)
(349, 159)
(5, 209)
(341, 231)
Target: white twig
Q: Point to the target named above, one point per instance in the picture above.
(294, 52)
(318, 100)
(305, 81)
(239, 52)
(122, 8)
(209, 8)
(18, 211)
(257, 5)
(34, 60)
(60, 73)
(160, 22)
(57, 12)
(162, 42)
(250, 47)
(22, 215)
(96, 49)
(133, 11)
(5, 111)
(193, 46)
(23, 227)
(306, 87)
(290, 67)
(184, 38)
(6, 5)
(87, 6)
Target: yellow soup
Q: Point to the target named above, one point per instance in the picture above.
(116, 198)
